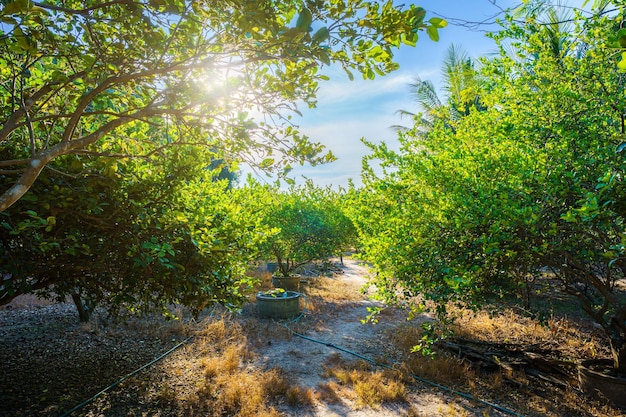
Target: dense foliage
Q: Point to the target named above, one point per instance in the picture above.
(526, 182)
(309, 223)
(140, 237)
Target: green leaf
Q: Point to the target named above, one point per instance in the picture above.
(9, 20)
(438, 22)
(419, 14)
(89, 60)
(21, 39)
(569, 217)
(13, 8)
(433, 33)
(411, 39)
(621, 65)
(321, 35)
(266, 163)
(324, 57)
(304, 20)
(58, 76)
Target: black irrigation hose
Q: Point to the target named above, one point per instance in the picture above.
(382, 365)
(119, 381)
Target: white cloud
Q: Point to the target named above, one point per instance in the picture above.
(333, 92)
(343, 137)
(340, 89)
(350, 110)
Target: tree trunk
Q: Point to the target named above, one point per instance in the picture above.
(84, 312)
(619, 357)
(618, 347)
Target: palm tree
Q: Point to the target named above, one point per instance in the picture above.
(461, 83)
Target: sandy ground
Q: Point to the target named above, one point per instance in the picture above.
(305, 359)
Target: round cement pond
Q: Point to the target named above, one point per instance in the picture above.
(290, 283)
(281, 305)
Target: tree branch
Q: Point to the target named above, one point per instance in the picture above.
(85, 12)
(12, 122)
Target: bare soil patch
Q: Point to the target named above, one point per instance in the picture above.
(49, 361)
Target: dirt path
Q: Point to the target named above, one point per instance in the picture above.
(304, 360)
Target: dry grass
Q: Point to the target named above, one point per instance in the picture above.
(214, 377)
(177, 325)
(297, 396)
(358, 381)
(332, 290)
(443, 368)
(263, 278)
(503, 386)
(328, 392)
(323, 294)
(323, 297)
(511, 327)
(28, 301)
(329, 296)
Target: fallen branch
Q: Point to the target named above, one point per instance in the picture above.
(533, 360)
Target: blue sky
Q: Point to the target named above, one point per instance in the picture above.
(348, 110)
